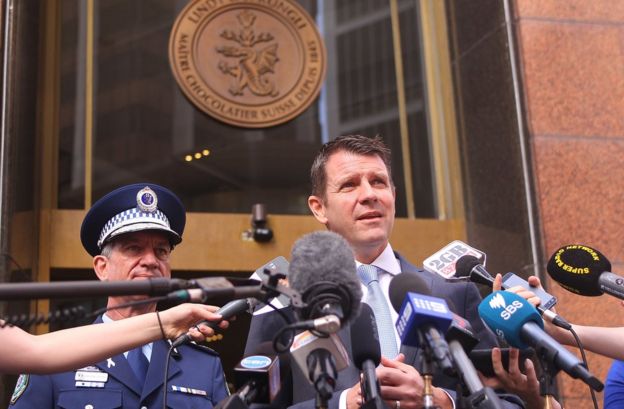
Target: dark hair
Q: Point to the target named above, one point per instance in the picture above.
(358, 144)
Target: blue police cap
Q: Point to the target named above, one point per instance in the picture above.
(131, 208)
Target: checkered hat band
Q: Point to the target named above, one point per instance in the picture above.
(132, 216)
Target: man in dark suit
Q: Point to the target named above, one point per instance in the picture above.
(353, 195)
(130, 233)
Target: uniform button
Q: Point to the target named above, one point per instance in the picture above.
(88, 406)
(143, 407)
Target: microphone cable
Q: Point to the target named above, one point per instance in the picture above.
(167, 359)
(579, 345)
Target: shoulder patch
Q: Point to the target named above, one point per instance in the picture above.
(20, 387)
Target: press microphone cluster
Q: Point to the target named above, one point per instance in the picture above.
(422, 320)
(322, 270)
(584, 271)
(512, 318)
(234, 307)
(469, 266)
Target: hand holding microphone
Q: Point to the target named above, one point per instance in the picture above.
(512, 318)
(469, 266)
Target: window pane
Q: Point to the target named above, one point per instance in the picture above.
(144, 127)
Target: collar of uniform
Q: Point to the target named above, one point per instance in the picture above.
(386, 261)
(147, 348)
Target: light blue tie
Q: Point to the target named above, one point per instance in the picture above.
(139, 363)
(375, 298)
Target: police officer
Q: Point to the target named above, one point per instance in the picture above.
(130, 233)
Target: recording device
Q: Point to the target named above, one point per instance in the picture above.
(443, 261)
(235, 307)
(547, 301)
(482, 359)
(366, 354)
(512, 318)
(257, 379)
(584, 271)
(468, 266)
(322, 269)
(422, 319)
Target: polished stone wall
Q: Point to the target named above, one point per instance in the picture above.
(572, 62)
(570, 66)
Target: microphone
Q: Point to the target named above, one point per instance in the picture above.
(461, 341)
(320, 358)
(460, 331)
(584, 271)
(257, 379)
(422, 319)
(218, 289)
(469, 266)
(367, 356)
(443, 261)
(322, 269)
(73, 289)
(235, 307)
(512, 318)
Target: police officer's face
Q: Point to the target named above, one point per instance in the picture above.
(136, 256)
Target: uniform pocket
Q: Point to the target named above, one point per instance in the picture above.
(92, 398)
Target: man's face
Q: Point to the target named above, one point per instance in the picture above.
(358, 203)
(136, 256)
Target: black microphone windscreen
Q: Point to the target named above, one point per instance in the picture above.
(364, 338)
(577, 268)
(464, 265)
(404, 283)
(322, 269)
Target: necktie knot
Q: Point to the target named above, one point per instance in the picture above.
(368, 273)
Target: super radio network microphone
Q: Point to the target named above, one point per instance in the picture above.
(322, 270)
(236, 307)
(512, 318)
(468, 266)
(584, 271)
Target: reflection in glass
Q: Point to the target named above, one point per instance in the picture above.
(146, 130)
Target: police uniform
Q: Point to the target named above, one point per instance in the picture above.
(195, 376)
(195, 380)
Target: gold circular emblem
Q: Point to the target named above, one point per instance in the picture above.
(251, 63)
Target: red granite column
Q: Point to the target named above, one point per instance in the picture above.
(571, 56)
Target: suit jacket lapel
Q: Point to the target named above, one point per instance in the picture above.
(156, 369)
(118, 367)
